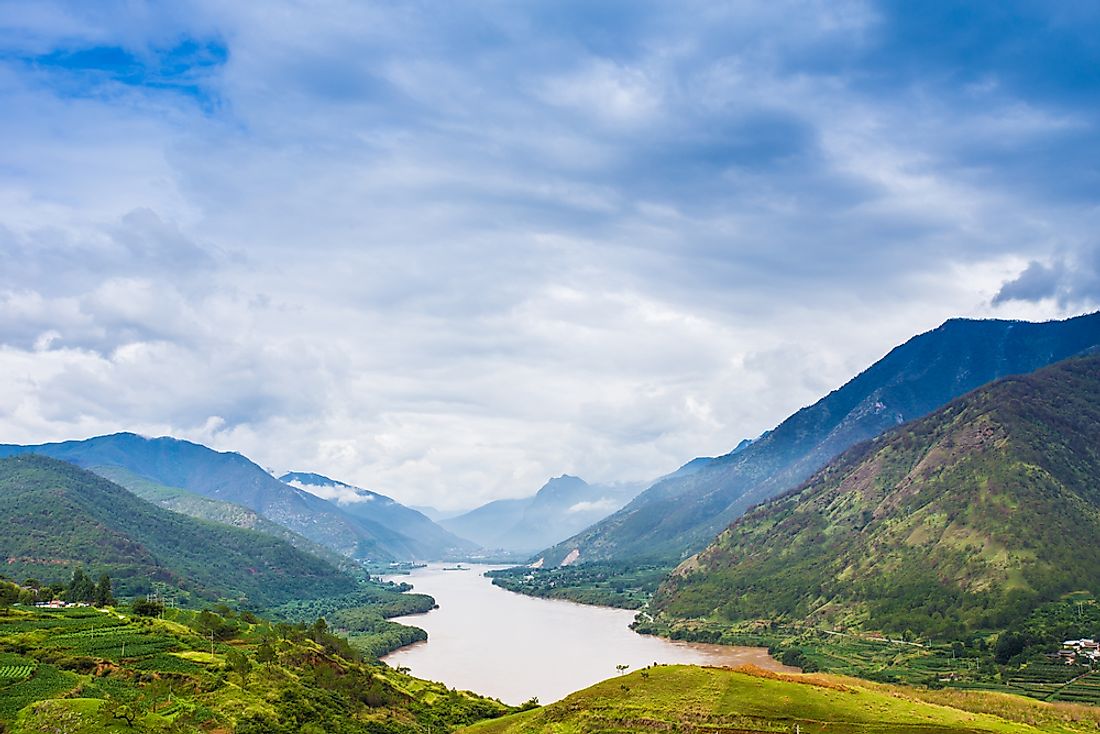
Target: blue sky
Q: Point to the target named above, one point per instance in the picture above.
(446, 251)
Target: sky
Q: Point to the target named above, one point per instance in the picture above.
(445, 251)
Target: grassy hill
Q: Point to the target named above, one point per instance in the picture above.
(55, 517)
(682, 513)
(968, 519)
(748, 700)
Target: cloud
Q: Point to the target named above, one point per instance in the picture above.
(603, 506)
(1070, 280)
(449, 251)
(341, 494)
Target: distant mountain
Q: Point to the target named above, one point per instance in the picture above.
(560, 508)
(423, 538)
(683, 512)
(964, 520)
(55, 517)
(219, 511)
(232, 478)
(432, 513)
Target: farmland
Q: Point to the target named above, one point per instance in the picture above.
(192, 671)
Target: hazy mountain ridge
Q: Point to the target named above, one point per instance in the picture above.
(232, 478)
(560, 508)
(57, 517)
(219, 511)
(425, 538)
(965, 519)
(681, 513)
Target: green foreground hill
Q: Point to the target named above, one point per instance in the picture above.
(965, 520)
(86, 671)
(748, 700)
(55, 517)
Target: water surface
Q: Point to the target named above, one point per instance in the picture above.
(512, 647)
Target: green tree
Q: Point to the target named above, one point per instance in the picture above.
(103, 595)
(80, 588)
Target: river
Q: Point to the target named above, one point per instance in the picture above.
(513, 647)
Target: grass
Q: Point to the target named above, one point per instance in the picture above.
(685, 698)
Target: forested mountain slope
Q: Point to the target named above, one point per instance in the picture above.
(56, 517)
(682, 513)
(232, 478)
(966, 519)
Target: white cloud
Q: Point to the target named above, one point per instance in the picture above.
(604, 506)
(342, 494)
(450, 251)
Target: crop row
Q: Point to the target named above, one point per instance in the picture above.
(15, 672)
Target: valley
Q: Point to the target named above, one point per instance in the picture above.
(516, 648)
(912, 551)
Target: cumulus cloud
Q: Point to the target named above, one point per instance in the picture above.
(1069, 281)
(448, 251)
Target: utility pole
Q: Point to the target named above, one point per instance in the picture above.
(211, 643)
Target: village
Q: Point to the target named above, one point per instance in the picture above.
(1080, 652)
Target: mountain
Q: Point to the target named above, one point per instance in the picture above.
(219, 511)
(232, 478)
(422, 538)
(681, 513)
(560, 508)
(964, 520)
(56, 517)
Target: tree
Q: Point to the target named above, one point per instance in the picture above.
(142, 607)
(81, 588)
(239, 663)
(265, 653)
(1009, 645)
(103, 595)
(621, 668)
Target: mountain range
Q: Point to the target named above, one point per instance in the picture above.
(561, 507)
(964, 520)
(231, 478)
(55, 517)
(682, 513)
(408, 529)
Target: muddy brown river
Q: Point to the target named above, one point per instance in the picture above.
(512, 647)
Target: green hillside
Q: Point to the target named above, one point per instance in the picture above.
(83, 671)
(747, 701)
(229, 477)
(683, 512)
(204, 508)
(55, 517)
(966, 520)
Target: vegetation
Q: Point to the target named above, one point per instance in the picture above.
(625, 585)
(683, 512)
(86, 670)
(683, 698)
(206, 508)
(956, 525)
(363, 615)
(56, 518)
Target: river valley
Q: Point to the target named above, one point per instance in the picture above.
(514, 647)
